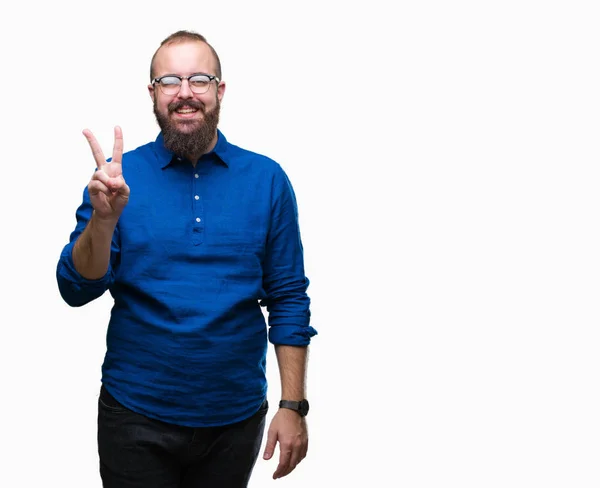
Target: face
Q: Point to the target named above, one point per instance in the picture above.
(188, 120)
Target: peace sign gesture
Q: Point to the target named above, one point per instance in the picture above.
(107, 189)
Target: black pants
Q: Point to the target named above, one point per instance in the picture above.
(136, 451)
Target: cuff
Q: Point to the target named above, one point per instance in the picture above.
(291, 335)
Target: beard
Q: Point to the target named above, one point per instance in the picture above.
(196, 141)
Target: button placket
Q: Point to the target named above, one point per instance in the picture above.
(198, 214)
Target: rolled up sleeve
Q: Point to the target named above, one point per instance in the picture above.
(73, 287)
(284, 280)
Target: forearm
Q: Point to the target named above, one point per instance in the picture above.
(292, 361)
(91, 252)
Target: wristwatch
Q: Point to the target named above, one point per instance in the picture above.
(301, 407)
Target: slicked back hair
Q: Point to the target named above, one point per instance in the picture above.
(186, 36)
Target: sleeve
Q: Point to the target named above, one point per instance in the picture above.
(284, 280)
(74, 288)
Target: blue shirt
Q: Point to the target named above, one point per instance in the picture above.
(196, 252)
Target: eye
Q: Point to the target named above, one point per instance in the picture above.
(170, 80)
(199, 80)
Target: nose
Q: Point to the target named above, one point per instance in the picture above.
(185, 91)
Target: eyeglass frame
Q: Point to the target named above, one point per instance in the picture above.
(211, 78)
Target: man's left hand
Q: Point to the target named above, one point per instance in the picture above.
(289, 429)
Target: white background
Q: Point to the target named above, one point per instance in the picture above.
(445, 160)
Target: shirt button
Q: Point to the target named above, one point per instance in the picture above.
(198, 219)
(196, 175)
(196, 197)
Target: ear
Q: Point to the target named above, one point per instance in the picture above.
(221, 90)
(151, 91)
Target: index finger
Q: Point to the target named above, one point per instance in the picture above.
(96, 149)
(284, 463)
(118, 147)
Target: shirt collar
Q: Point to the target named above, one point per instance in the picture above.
(165, 157)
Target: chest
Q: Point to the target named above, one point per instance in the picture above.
(211, 211)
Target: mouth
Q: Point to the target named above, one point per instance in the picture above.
(185, 112)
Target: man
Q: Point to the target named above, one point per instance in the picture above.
(192, 235)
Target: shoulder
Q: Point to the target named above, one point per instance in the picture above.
(245, 159)
(258, 169)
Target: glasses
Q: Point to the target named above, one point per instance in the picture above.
(171, 84)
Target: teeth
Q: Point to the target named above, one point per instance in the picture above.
(186, 111)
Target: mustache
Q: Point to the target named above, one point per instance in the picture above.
(195, 104)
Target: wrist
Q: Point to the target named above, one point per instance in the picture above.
(103, 223)
(301, 407)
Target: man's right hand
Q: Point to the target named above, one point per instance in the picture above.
(107, 189)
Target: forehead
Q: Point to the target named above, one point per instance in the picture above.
(184, 58)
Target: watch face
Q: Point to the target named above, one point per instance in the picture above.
(303, 407)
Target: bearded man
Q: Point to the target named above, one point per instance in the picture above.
(191, 235)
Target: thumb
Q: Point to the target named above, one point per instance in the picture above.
(270, 446)
(124, 190)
